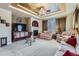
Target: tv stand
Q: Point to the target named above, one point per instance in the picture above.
(19, 35)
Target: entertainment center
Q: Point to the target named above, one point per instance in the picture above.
(19, 31)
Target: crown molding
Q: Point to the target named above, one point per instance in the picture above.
(35, 15)
(18, 9)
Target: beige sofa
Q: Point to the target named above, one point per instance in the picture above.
(45, 35)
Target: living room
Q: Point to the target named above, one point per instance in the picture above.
(48, 23)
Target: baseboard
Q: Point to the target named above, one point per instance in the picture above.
(9, 43)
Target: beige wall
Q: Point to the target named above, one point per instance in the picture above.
(16, 20)
(70, 8)
(29, 24)
(70, 22)
(40, 26)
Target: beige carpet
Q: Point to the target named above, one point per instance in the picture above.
(38, 48)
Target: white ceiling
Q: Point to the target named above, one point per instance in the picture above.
(53, 7)
(48, 6)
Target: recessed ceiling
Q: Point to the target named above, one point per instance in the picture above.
(35, 7)
(32, 9)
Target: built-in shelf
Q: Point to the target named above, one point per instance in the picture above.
(2, 21)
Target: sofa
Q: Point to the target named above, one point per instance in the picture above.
(46, 35)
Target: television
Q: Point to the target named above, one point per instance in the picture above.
(19, 27)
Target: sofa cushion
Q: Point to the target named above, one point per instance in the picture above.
(68, 53)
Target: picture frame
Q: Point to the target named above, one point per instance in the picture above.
(7, 24)
(2, 21)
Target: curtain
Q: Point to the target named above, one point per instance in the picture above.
(78, 21)
(52, 25)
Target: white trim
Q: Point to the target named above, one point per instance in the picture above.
(9, 43)
(23, 11)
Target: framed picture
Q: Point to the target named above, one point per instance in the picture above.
(3, 21)
(7, 24)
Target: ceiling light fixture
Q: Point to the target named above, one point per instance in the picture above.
(42, 11)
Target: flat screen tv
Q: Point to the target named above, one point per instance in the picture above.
(19, 27)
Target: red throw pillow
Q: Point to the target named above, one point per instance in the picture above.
(68, 53)
(72, 41)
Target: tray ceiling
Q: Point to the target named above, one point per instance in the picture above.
(34, 8)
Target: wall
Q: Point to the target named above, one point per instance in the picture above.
(70, 7)
(78, 21)
(6, 31)
(40, 26)
(16, 19)
(74, 19)
(69, 22)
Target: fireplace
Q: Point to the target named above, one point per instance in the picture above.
(35, 32)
